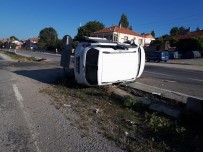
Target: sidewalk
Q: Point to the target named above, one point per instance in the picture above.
(198, 61)
(179, 64)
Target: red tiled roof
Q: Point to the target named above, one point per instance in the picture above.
(190, 35)
(34, 39)
(117, 29)
(148, 36)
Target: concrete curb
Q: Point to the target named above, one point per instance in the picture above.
(147, 103)
(192, 104)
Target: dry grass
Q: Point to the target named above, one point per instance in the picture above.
(20, 58)
(130, 129)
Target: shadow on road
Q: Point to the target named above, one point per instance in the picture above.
(49, 76)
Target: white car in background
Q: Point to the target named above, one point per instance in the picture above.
(101, 62)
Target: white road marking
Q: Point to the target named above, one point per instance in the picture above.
(178, 93)
(26, 115)
(157, 73)
(196, 79)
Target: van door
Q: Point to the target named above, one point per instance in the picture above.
(91, 66)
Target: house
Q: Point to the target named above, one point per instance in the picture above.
(198, 33)
(187, 35)
(121, 34)
(16, 44)
(147, 39)
(31, 43)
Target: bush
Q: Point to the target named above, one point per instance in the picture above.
(173, 42)
(191, 44)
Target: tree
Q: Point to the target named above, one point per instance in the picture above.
(124, 21)
(59, 44)
(157, 41)
(153, 33)
(174, 31)
(198, 29)
(13, 38)
(190, 44)
(87, 29)
(177, 31)
(165, 36)
(173, 42)
(181, 30)
(48, 38)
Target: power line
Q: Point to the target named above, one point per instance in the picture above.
(174, 20)
(188, 21)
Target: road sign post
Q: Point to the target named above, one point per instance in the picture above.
(66, 51)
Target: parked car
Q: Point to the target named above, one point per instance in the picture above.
(158, 56)
(101, 62)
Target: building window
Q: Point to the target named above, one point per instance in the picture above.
(140, 41)
(115, 38)
(125, 38)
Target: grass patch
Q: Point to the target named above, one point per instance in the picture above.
(20, 58)
(132, 127)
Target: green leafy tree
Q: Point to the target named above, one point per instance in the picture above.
(165, 36)
(87, 29)
(59, 44)
(48, 38)
(177, 31)
(191, 44)
(124, 21)
(181, 30)
(13, 38)
(157, 41)
(198, 29)
(173, 42)
(153, 33)
(75, 43)
(174, 31)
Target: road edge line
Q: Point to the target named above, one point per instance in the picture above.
(26, 115)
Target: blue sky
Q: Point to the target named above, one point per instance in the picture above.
(25, 18)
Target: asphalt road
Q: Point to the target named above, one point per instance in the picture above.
(30, 122)
(180, 80)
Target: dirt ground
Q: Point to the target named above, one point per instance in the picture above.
(129, 125)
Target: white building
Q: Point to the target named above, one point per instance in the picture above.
(17, 42)
(121, 34)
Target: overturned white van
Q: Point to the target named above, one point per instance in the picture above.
(101, 62)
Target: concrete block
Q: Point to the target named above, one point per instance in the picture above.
(194, 105)
(166, 110)
(145, 101)
(120, 94)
